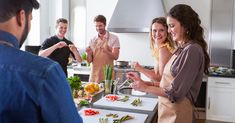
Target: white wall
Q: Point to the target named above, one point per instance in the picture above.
(44, 20)
(202, 7)
(57, 9)
(78, 22)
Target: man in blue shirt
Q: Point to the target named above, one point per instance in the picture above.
(32, 89)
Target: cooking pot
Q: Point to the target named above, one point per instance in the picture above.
(122, 63)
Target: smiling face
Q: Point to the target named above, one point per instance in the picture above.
(61, 29)
(175, 29)
(100, 28)
(159, 33)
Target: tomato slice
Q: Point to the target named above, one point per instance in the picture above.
(111, 97)
(90, 112)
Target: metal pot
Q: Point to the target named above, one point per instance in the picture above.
(122, 63)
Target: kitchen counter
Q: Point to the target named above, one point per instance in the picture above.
(222, 72)
(81, 71)
(152, 115)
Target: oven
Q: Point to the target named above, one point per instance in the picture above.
(200, 106)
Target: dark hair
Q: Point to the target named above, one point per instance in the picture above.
(189, 19)
(162, 21)
(100, 18)
(9, 8)
(62, 20)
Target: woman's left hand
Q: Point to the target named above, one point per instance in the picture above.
(139, 85)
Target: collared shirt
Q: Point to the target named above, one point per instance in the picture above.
(187, 70)
(32, 89)
(112, 39)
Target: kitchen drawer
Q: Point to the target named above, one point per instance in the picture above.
(221, 82)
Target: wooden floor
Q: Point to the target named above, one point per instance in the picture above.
(209, 121)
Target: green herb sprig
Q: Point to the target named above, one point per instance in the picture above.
(75, 83)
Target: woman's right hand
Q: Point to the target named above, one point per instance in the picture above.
(136, 66)
(138, 83)
(133, 75)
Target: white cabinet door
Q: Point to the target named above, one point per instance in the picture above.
(221, 99)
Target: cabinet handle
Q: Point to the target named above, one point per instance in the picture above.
(209, 103)
(223, 83)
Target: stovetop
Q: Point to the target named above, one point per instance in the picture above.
(129, 68)
(122, 67)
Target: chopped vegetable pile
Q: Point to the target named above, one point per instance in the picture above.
(124, 118)
(111, 97)
(90, 112)
(136, 102)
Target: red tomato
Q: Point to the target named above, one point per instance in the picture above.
(112, 97)
(90, 112)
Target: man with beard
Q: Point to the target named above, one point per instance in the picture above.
(103, 49)
(32, 89)
(58, 48)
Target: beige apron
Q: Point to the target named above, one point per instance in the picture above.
(177, 112)
(100, 59)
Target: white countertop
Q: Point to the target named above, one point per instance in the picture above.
(78, 70)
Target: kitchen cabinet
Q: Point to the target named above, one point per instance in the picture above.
(220, 99)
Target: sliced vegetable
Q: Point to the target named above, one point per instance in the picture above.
(84, 102)
(111, 97)
(103, 120)
(124, 99)
(124, 118)
(136, 102)
(90, 112)
(112, 115)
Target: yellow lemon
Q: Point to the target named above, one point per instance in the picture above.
(96, 87)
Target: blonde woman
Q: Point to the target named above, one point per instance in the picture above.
(162, 48)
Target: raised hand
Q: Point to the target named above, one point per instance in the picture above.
(61, 44)
(72, 47)
(88, 50)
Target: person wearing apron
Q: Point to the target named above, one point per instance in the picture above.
(182, 75)
(103, 50)
(161, 45)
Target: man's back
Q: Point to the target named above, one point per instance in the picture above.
(33, 89)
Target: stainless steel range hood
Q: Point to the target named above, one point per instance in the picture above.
(135, 16)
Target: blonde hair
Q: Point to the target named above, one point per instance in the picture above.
(169, 43)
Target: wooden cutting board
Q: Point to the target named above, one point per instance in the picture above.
(148, 104)
(138, 118)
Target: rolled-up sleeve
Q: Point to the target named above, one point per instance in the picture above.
(185, 70)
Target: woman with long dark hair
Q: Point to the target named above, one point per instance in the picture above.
(182, 75)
